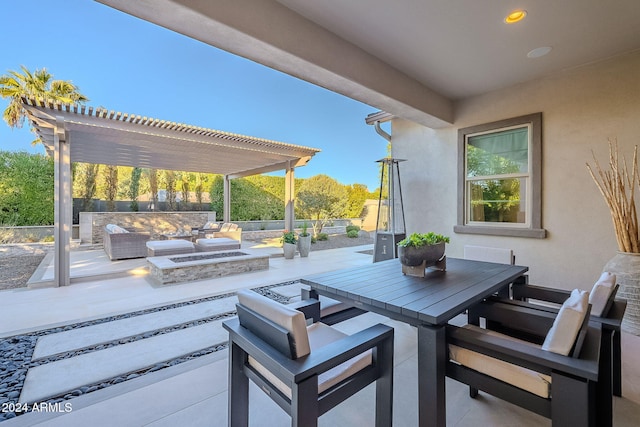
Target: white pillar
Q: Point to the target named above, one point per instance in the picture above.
(62, 204)
(226, 199)
(289, 187)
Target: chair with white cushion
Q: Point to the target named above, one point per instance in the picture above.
(555, 376)
(606, 310)
(306, 370)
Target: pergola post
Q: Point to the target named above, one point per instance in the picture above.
(226, 199)
(62, 204)
(289, 187)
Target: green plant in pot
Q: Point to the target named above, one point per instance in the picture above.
(304, 241)
(419, 247)
(289, 244)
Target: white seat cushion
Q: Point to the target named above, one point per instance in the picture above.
(564, 331)
(168, 244)
(330, 306)
(526, 379)
(321, 335)
(600, 293)
(218, 241)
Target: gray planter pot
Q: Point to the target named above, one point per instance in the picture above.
(289, 250)
(626, 267)
(413, 256)
(304, 245)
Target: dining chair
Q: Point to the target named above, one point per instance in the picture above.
(305, 369)
(607, 310)
(551, 368)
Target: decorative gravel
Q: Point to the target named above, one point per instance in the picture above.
(16, 351)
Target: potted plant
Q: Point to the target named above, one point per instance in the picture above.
(421, 249)
(304, 241)
(289, 244)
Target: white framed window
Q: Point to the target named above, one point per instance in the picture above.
(499, 184)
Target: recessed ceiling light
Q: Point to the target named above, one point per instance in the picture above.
(538, 52)
(515, 16)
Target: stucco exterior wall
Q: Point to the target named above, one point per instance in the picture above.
(581, 108)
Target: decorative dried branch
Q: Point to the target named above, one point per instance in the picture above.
(618, 187)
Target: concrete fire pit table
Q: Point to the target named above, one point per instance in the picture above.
(205, 265)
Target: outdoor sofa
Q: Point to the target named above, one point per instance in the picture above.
(212, 230)
(124, 243)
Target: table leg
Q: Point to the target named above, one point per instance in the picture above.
(432, 358)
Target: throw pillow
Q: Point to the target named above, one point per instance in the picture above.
(115, 229)
(566, 326)
(601, 292)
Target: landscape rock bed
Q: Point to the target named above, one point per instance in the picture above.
(16, 351)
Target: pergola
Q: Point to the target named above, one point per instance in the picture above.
(74, 133)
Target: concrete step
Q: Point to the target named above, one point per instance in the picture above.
(88, 336)
(53, 379)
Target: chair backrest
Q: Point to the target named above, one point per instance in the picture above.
(569, 327)
(487, 254)
(269, 320)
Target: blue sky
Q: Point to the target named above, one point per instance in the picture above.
(125, 64)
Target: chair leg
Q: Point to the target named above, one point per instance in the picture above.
(304, 403)
(616, 364)
(473, 392)
(384, 384)
(238, 388)
(573, 402)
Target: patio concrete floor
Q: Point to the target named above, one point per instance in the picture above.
(194, 393)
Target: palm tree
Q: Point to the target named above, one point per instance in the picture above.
(40, 84)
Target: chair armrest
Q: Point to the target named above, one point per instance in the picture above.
(586, 366)
(292, 371)
(521, 291)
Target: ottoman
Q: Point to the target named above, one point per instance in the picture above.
(169, 247)
(216, 244)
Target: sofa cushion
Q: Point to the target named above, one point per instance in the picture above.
(601, 292)
(563, 333)
(115, 229)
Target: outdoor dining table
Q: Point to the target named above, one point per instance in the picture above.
(425, 302)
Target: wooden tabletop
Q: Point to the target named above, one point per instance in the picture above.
(435, 299)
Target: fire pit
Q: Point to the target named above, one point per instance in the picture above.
(205, 265)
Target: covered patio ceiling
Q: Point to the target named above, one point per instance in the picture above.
(107, 137)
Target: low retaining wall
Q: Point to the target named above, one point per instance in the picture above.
(156, 223)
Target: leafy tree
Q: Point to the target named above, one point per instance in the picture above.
(322, 198)
(357, 194)
(84, 186)
(40, 83)
(170, 186)
(111, 186)
(199, 189)
(26, 189)
(185, 188)
(153, 187)
(134, 189)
